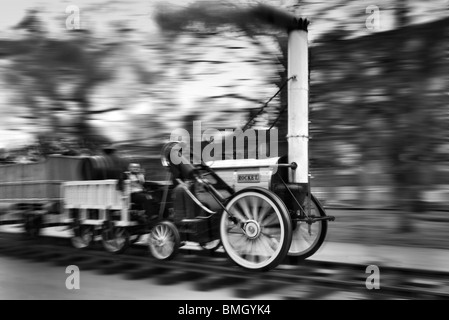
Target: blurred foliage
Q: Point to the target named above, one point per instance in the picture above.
(384, 99)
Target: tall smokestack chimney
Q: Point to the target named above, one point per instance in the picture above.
(298, 102)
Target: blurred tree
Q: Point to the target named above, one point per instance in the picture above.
(393, 92)
(54, 77)
(43, 67)
(253, 22)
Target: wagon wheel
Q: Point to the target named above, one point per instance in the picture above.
(115, 239)
(83, 236)
(306, 242)
(258, 235)
(164, 240)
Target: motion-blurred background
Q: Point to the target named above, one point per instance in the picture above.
(76, 75)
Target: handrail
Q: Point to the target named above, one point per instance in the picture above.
(292, 165)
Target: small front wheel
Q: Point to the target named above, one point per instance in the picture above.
(164, 240)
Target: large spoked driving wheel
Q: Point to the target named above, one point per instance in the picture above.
(258, 234)
(164, 240)
(308, 238)
(83, 236)
(115, 239)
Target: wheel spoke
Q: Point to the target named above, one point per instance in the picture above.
(158, 231)
(259, 250)
(236, 213)
(273, 242)
(265, 244)
(271, 221)
(239, 243)
(263, 211)
(297, 244)
(169, 238)
(163, 233)
(236, 230)
(271, 232)
(245, 208)
(305, 236)
(254, 204)
(251, 254)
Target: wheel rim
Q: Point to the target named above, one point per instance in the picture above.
(118, 241)
(256, 236)
(302, 241)
(84, 239)
(162, 241)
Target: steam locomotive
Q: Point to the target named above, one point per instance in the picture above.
(258, 210)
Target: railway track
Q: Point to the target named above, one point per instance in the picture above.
(206, 271)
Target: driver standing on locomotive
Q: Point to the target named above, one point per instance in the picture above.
(183, 173)
(141, 199)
